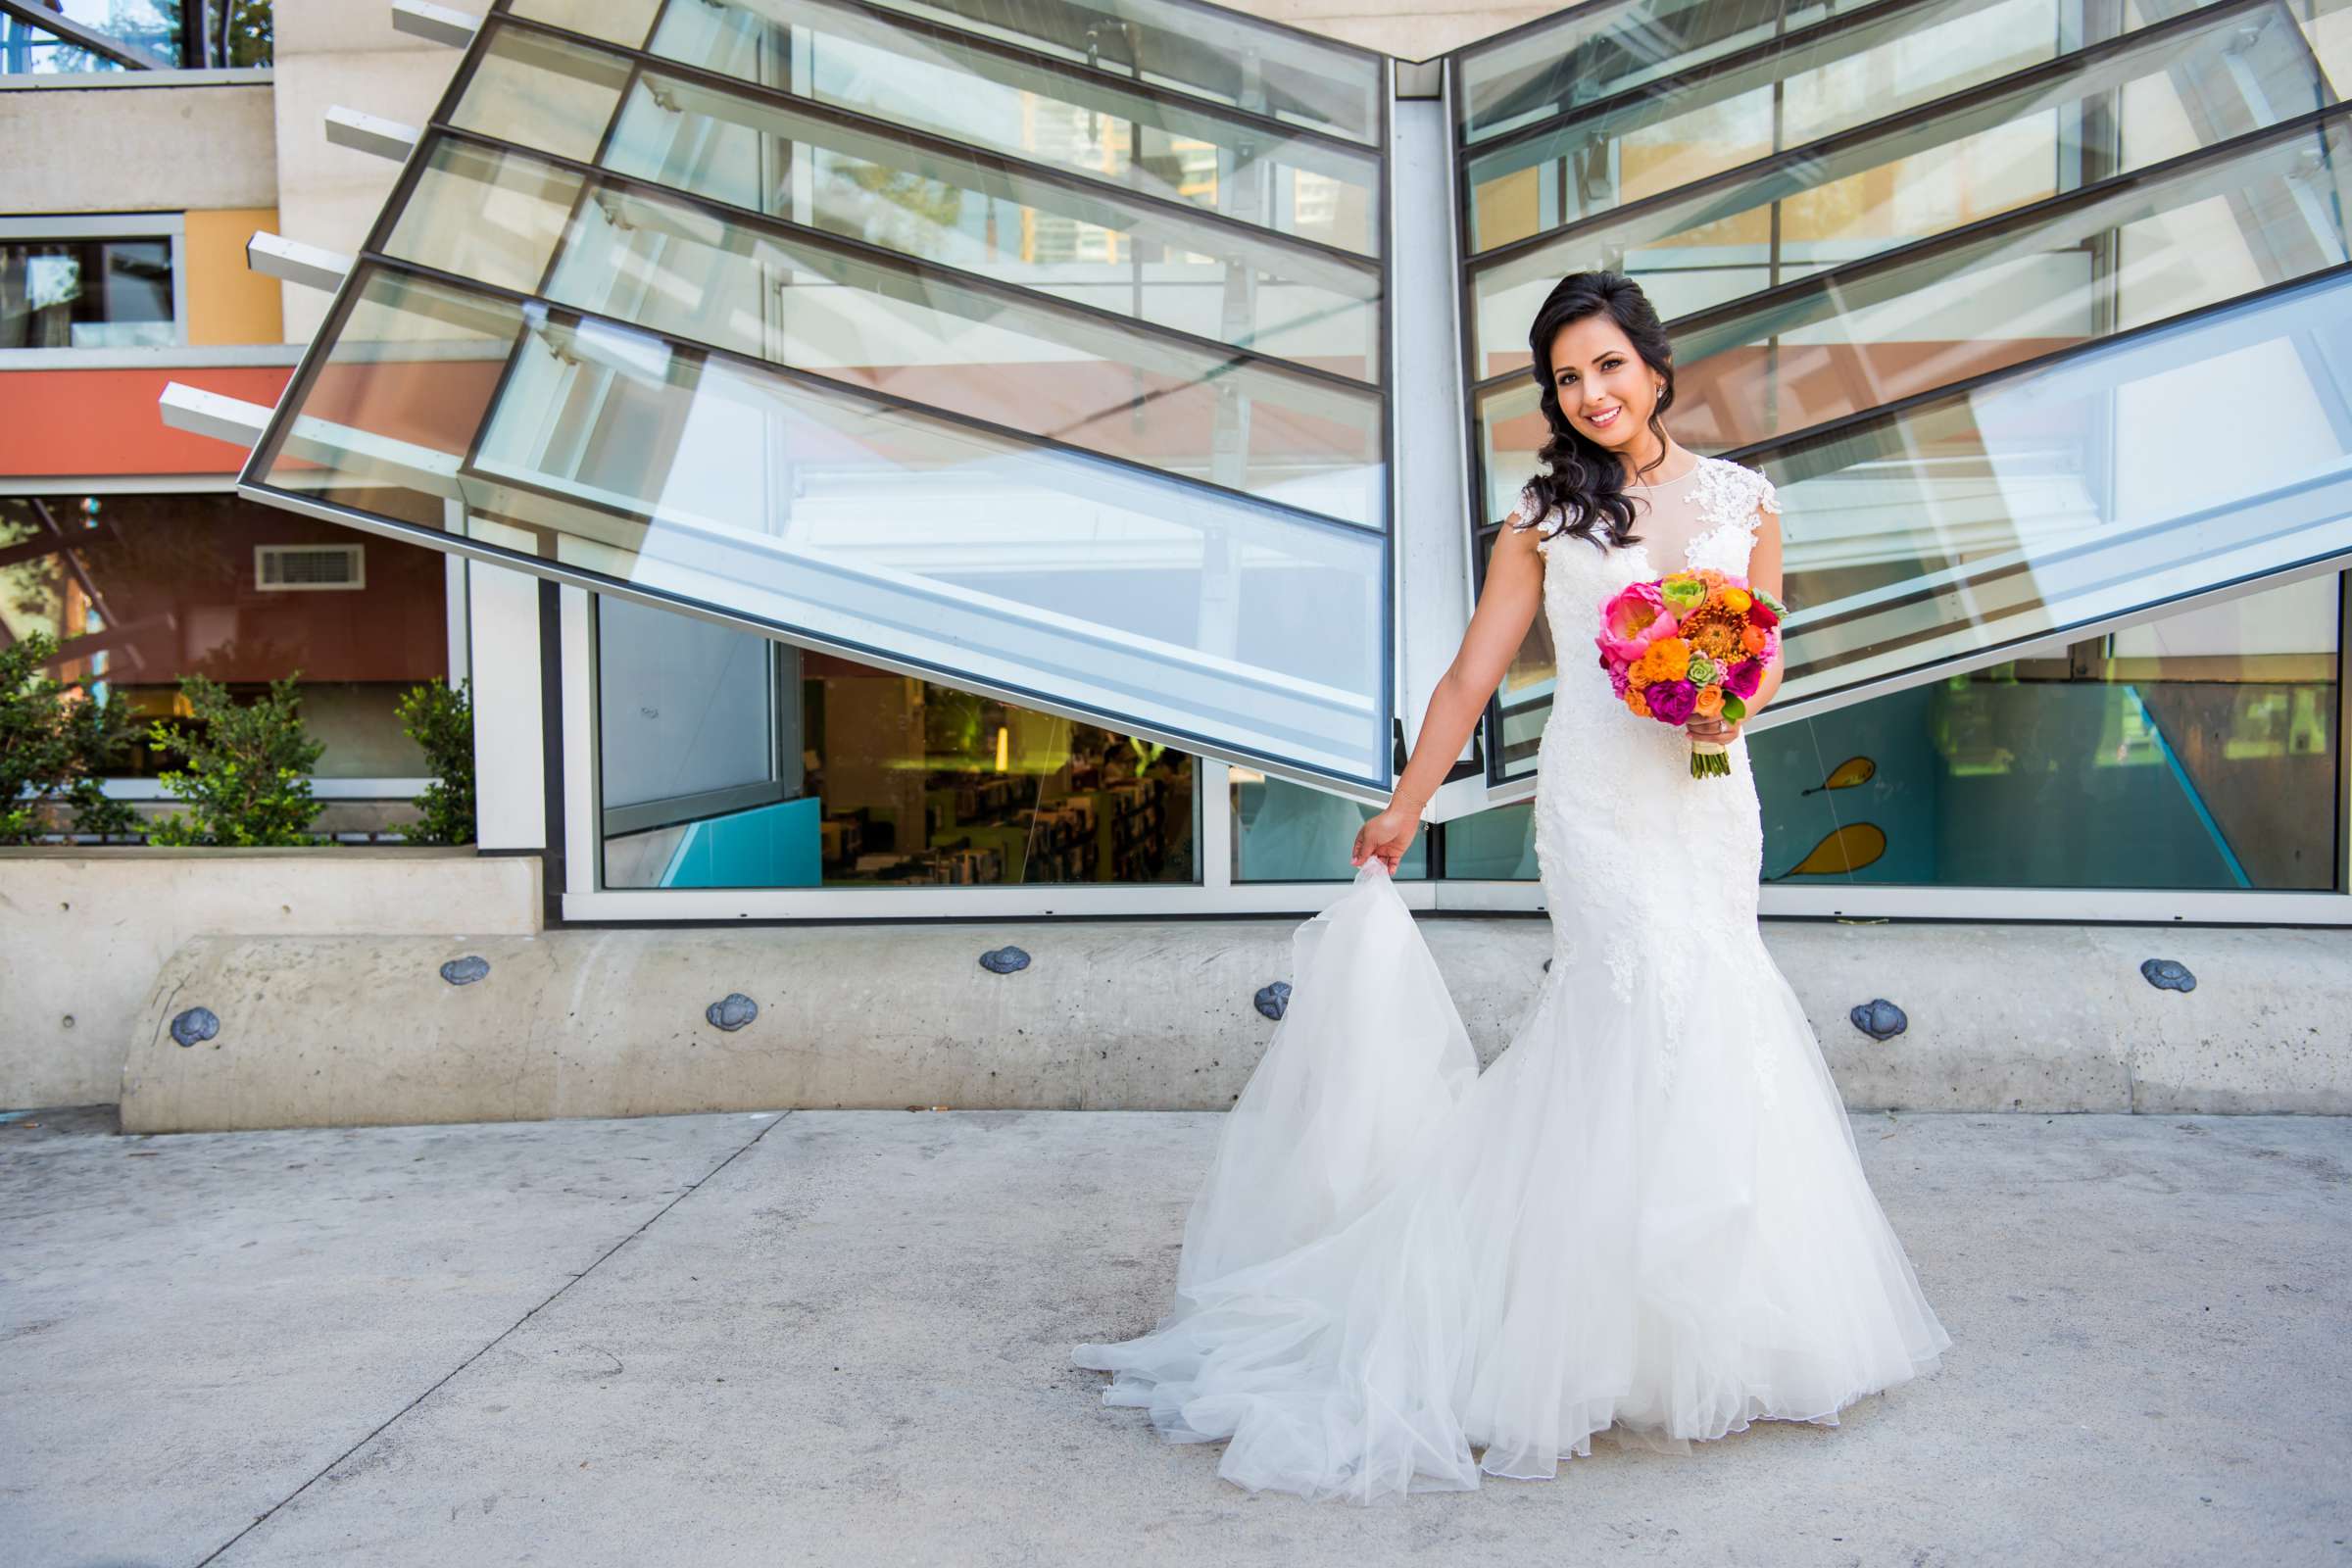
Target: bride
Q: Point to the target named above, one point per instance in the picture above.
(1648, 1216)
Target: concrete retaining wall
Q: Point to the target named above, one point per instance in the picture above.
(1159, 1015)
(84, 930)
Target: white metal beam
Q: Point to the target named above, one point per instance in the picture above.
(436, 24)
(211, 414)
(370, 133)
(276, 256)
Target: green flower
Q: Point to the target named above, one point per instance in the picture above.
(1702, 671)
(1683, 593)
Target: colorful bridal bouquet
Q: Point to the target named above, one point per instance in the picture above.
(1694, 642)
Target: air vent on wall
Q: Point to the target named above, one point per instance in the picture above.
(285, 569)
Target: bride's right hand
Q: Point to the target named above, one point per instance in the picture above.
(1387, 836)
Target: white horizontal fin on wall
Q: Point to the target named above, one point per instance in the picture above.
(211, 414)
(370, 133)
(436, 24)
(311, 266)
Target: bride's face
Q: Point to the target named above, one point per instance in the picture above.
(1604, 389)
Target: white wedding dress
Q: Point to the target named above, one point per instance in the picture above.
(1646, 1217)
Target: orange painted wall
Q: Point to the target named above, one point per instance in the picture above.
(228, 301)
(66, 424)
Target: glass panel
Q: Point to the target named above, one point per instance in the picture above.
(2136, 473)
(2195, 750)
(744, 490)
(998, 355)
(1596, 51)
(1495, 845)
(1208, 51)
(932, 82)
(142, 590)
(1069, 238)
(86, 294)
(2162, 93)
(623, 21)
(1875, 62)
(1285, 832)
(2142, 471)
(1903, 324)
(484, 213)
(29, 50)
(732, 762)
(539, 91)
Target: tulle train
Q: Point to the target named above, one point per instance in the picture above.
(1400, 1274)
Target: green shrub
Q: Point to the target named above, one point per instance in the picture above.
(439, 718)
(248, 779)
(52, 749)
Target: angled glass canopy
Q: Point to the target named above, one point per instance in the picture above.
(1003, 98)
(933, 199)
(771, 497)
(637, 252)
(1963, 330)
(1186, 46)
(1051, 348)
(938, 347)
(2184, 461)
(1544, 69)
(2195, 80)
(1854, 67)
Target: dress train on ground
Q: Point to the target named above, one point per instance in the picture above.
(1400, 1274)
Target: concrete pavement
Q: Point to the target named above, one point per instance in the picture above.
(841, 1337)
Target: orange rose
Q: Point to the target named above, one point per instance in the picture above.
(1752, 639)
(1710, 701)
(1634, 700)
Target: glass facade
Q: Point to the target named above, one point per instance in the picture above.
(1011, 397)
(2197, 751)
(728, 760)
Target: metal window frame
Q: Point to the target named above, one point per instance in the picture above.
(82, 36)
(170, 227)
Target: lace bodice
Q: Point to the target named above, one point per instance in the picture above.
(1640, 862)
(1706, 517)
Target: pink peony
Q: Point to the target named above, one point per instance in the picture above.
(1670, 700)
(1633, 620)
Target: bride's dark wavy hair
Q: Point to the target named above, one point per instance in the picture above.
(1583, 478)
